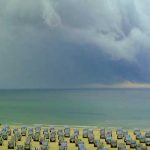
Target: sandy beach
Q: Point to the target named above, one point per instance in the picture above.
(71, 146)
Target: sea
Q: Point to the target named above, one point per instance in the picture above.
(127, 108)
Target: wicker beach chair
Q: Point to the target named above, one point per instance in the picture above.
(113, 143)
(67, 132)
(36, 136)
(46, 135)
(52, 137)
(63, 146)
(1, 141)
(72, 138)
(85, 133)
(133, 144)
(81, 146)
(147, 141)
(45, 145)
(41, 140)
(27, 144)
(147, 134)
(76, 132)
(96, 142)
(136, 131)
(45, 130)
(91, 138)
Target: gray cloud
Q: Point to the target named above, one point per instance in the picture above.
(122, 24)
(51, 43)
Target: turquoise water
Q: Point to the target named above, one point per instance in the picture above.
(96, 107)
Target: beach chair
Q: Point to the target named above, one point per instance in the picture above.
(60, 132)
(119, 134)
(136, 131)
(128, 141)
(100, 146)
(126, 137)
(96, 142)
(108, 139)
(102, 136)
(90, 138)
(63, 145)
(61, 139)
(147, 134)
(23, 130)
(109, 133)
(29, 138)
(45, 145)
(45, 130)
(12, 143)
(8, 130)
(113, 143)
(53, 132)
(138, 135)
(24, 127)
(102, 130)
(133, 144)
(72, 138)
(76, 132)
(46, 135)
(4, 135)
(41, 140)
(125, 132)
(52, 129)
(142, 139)
(67, 132)
(18, 136)
(102, 133)
(78, 141)
(85, 133)
(52, 137)
(30, 132)
(37, 129)
(119, 130)
(1, 141)
(15, 130)
(90, 131)
(36, 136)
(27, 144)
(81, 146)
(147, 141)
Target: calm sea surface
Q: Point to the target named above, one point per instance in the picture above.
(88, 107)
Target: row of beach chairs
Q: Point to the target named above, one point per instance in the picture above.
(46, 135)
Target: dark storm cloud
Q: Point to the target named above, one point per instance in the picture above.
(68, 43)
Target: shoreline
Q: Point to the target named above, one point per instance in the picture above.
(131, 124)
(18, 125)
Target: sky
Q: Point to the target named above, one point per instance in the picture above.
(74, 43)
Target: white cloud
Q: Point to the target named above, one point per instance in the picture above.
(49, 14)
